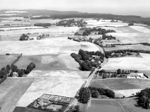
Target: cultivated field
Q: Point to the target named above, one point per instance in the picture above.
(60, 82)
(7, 59)
(46, 46)
(11, 91)
(96, 105)
(135, 63)
(12, 34)
(121, 84)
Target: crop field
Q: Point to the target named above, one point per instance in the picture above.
(132, 34)
(11, 91)
(130, 63)
(49, 62)
(129, 47)
(60, 82)
(52, 21)
(103, 23)
(12, 34)
(7, 60)
(121, 84)
(46, 46)
(104, 106)
(129, 104)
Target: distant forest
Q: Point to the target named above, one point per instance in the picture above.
(43, 14)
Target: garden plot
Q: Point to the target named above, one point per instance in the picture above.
(133, 63)
(61, 82)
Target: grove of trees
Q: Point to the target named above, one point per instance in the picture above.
(84, 95)
(88, 60)
(11, 70)
(143, 98)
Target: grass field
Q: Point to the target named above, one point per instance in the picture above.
(11, 91)
(96, 105)
(121, 84)
(7, 60)
(130, 105)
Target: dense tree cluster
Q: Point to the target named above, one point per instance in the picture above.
(88, 31)
(14, 71)
(88, 60)
(97, 92)
(43, 24)
(108, 37)
(24, 37)
(87, 92)
(72, 22)
(131, 24)
(29, 36)
(84, 95)
(143, 98)
(74, 109)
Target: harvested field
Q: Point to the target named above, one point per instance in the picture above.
(133, 63)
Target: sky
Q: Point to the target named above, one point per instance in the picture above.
(127, 7)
